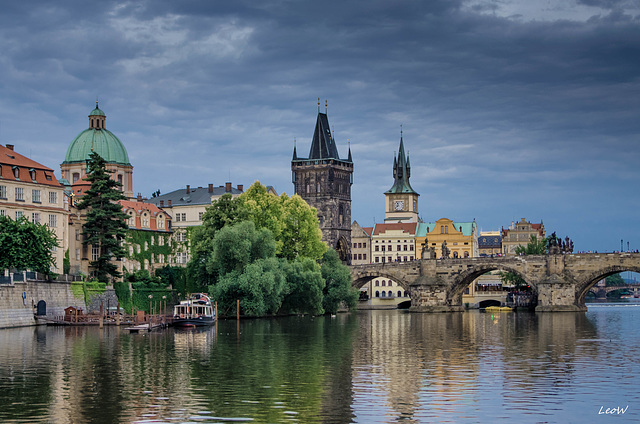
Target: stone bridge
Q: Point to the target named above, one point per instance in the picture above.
(560, 282)
(602, 292)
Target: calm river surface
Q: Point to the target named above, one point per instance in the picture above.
(364, 367)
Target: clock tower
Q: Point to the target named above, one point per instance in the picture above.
(401, 200)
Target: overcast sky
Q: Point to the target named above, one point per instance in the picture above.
(510, 109)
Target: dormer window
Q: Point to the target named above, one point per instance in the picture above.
(16, 172)
(32, 174)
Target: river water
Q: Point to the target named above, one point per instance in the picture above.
(364, 367)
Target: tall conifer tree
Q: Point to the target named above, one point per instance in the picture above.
(106, 223)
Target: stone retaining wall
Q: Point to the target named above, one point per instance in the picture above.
(18, 301)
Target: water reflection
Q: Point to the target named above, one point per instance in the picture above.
(381, 366)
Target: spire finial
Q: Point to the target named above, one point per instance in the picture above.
(400, 130)
(325, 106)
(318, 104)
(97, 102)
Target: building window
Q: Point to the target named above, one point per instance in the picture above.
(161, 223)
(398, 248)
(377, 259)
(35, 217)
(399, 293)
(16, 172)
(53, 221)
(200, 216)
(378, 294)
(3, 192)
(355, 245)
(377, 248)
(383, 247)
(35, 196)
(377, 283)
(411, 247)
(32, 174)
(19, 214)
(3, 212)
(364, 256)
(95, 253)
(19, 194)
(466, 254)
(53, 197)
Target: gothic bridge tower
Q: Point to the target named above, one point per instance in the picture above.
(324, 181)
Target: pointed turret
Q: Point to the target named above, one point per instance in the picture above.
(323, 145)
(401, 172)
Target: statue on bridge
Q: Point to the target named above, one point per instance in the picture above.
(557, 245)
(428, 252)
(445, 250)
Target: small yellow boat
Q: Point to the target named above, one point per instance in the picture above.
(498, 309)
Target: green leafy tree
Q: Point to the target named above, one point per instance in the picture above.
(237, 246)
(265, 210)
(511, 279)
(338, 289)
(66, 263)
(535, 246)
(224, 211)
(261, 287)
(105, 227)
(305, 287)
(26, 245)
(301, 236)
(615, 280)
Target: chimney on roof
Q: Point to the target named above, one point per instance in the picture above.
(227, 188)
(240, 187)
(139, 198)
(188, 188)
(169, 201)
(210, 188)
(10, 146)
(162, 203)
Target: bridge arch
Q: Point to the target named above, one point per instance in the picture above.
(585, 284)
(362, 278)
(466, 277)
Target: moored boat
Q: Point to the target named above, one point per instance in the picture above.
(196, 311)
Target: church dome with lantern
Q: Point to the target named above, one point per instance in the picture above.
(97, 138)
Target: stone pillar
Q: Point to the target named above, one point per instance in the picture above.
(557, 293)
(429, 294)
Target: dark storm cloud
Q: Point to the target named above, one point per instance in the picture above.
(505, 114)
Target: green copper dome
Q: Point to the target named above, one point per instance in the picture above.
(97, 112)
(97, 139)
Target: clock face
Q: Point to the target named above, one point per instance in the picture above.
(399, 205)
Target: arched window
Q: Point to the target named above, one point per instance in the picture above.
(399, 293)
(466, 254)
(377, 283)
(455, 255)
(390, 293)
(378, 294)
(384, 294)
(75, 178)
(384, 283)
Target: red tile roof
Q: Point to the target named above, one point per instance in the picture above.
(10, 159)
(367, 230)
(141, 206)
(407, 227)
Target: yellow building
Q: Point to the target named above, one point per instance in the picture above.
(30, 189)
(461, 238)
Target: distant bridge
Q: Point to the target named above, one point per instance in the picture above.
(560, 282)
(602, 292)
